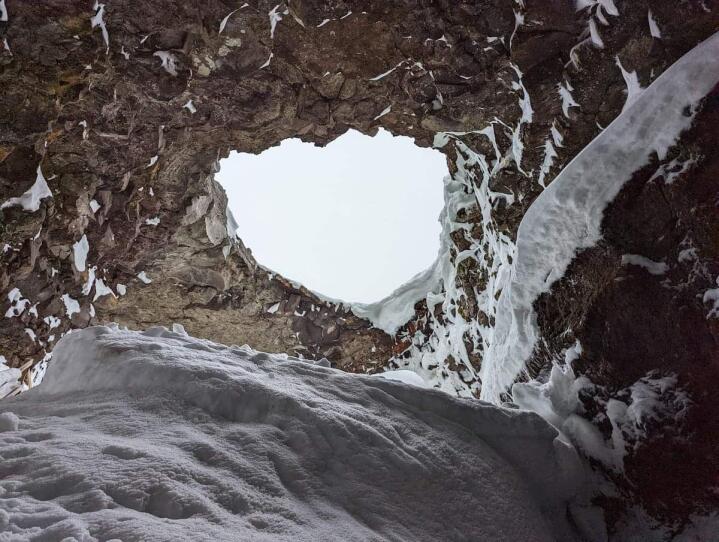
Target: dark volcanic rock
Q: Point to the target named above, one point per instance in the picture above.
(631, 322)
(128, 118)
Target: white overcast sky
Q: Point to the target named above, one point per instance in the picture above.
(353, 220)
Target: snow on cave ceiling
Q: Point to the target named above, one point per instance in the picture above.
(114, 118)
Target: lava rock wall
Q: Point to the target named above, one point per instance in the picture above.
(121, 110)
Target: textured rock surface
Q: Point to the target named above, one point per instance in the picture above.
(632, 322)
(129, 128)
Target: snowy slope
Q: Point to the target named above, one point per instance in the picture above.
(567, 216)
(159, 436)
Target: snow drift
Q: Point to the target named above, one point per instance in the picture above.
(160, 436)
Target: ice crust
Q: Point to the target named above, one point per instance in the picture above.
(160, 436)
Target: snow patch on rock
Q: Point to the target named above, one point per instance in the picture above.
(142, 275)
(652, 267)
(79, 253)
(101, 289)
(18, 304)
(634, 88)
(565, 93)
(275, 16)
(168, 60)
(30, 200)
(71, 305)
(711, 296)
(653, 397)
(98, 20)
(674, 169)
(653, 26)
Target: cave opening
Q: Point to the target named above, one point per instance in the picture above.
(353, 220)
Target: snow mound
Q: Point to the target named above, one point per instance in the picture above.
(160, 436)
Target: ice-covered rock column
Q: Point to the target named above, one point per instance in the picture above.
(639, 392)
(567, 216)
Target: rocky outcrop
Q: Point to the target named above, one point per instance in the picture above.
(124, 108)
(654, 315)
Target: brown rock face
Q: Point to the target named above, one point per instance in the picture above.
(127, 107)
(632, 322)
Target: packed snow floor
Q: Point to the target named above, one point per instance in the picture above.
(160, 436)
